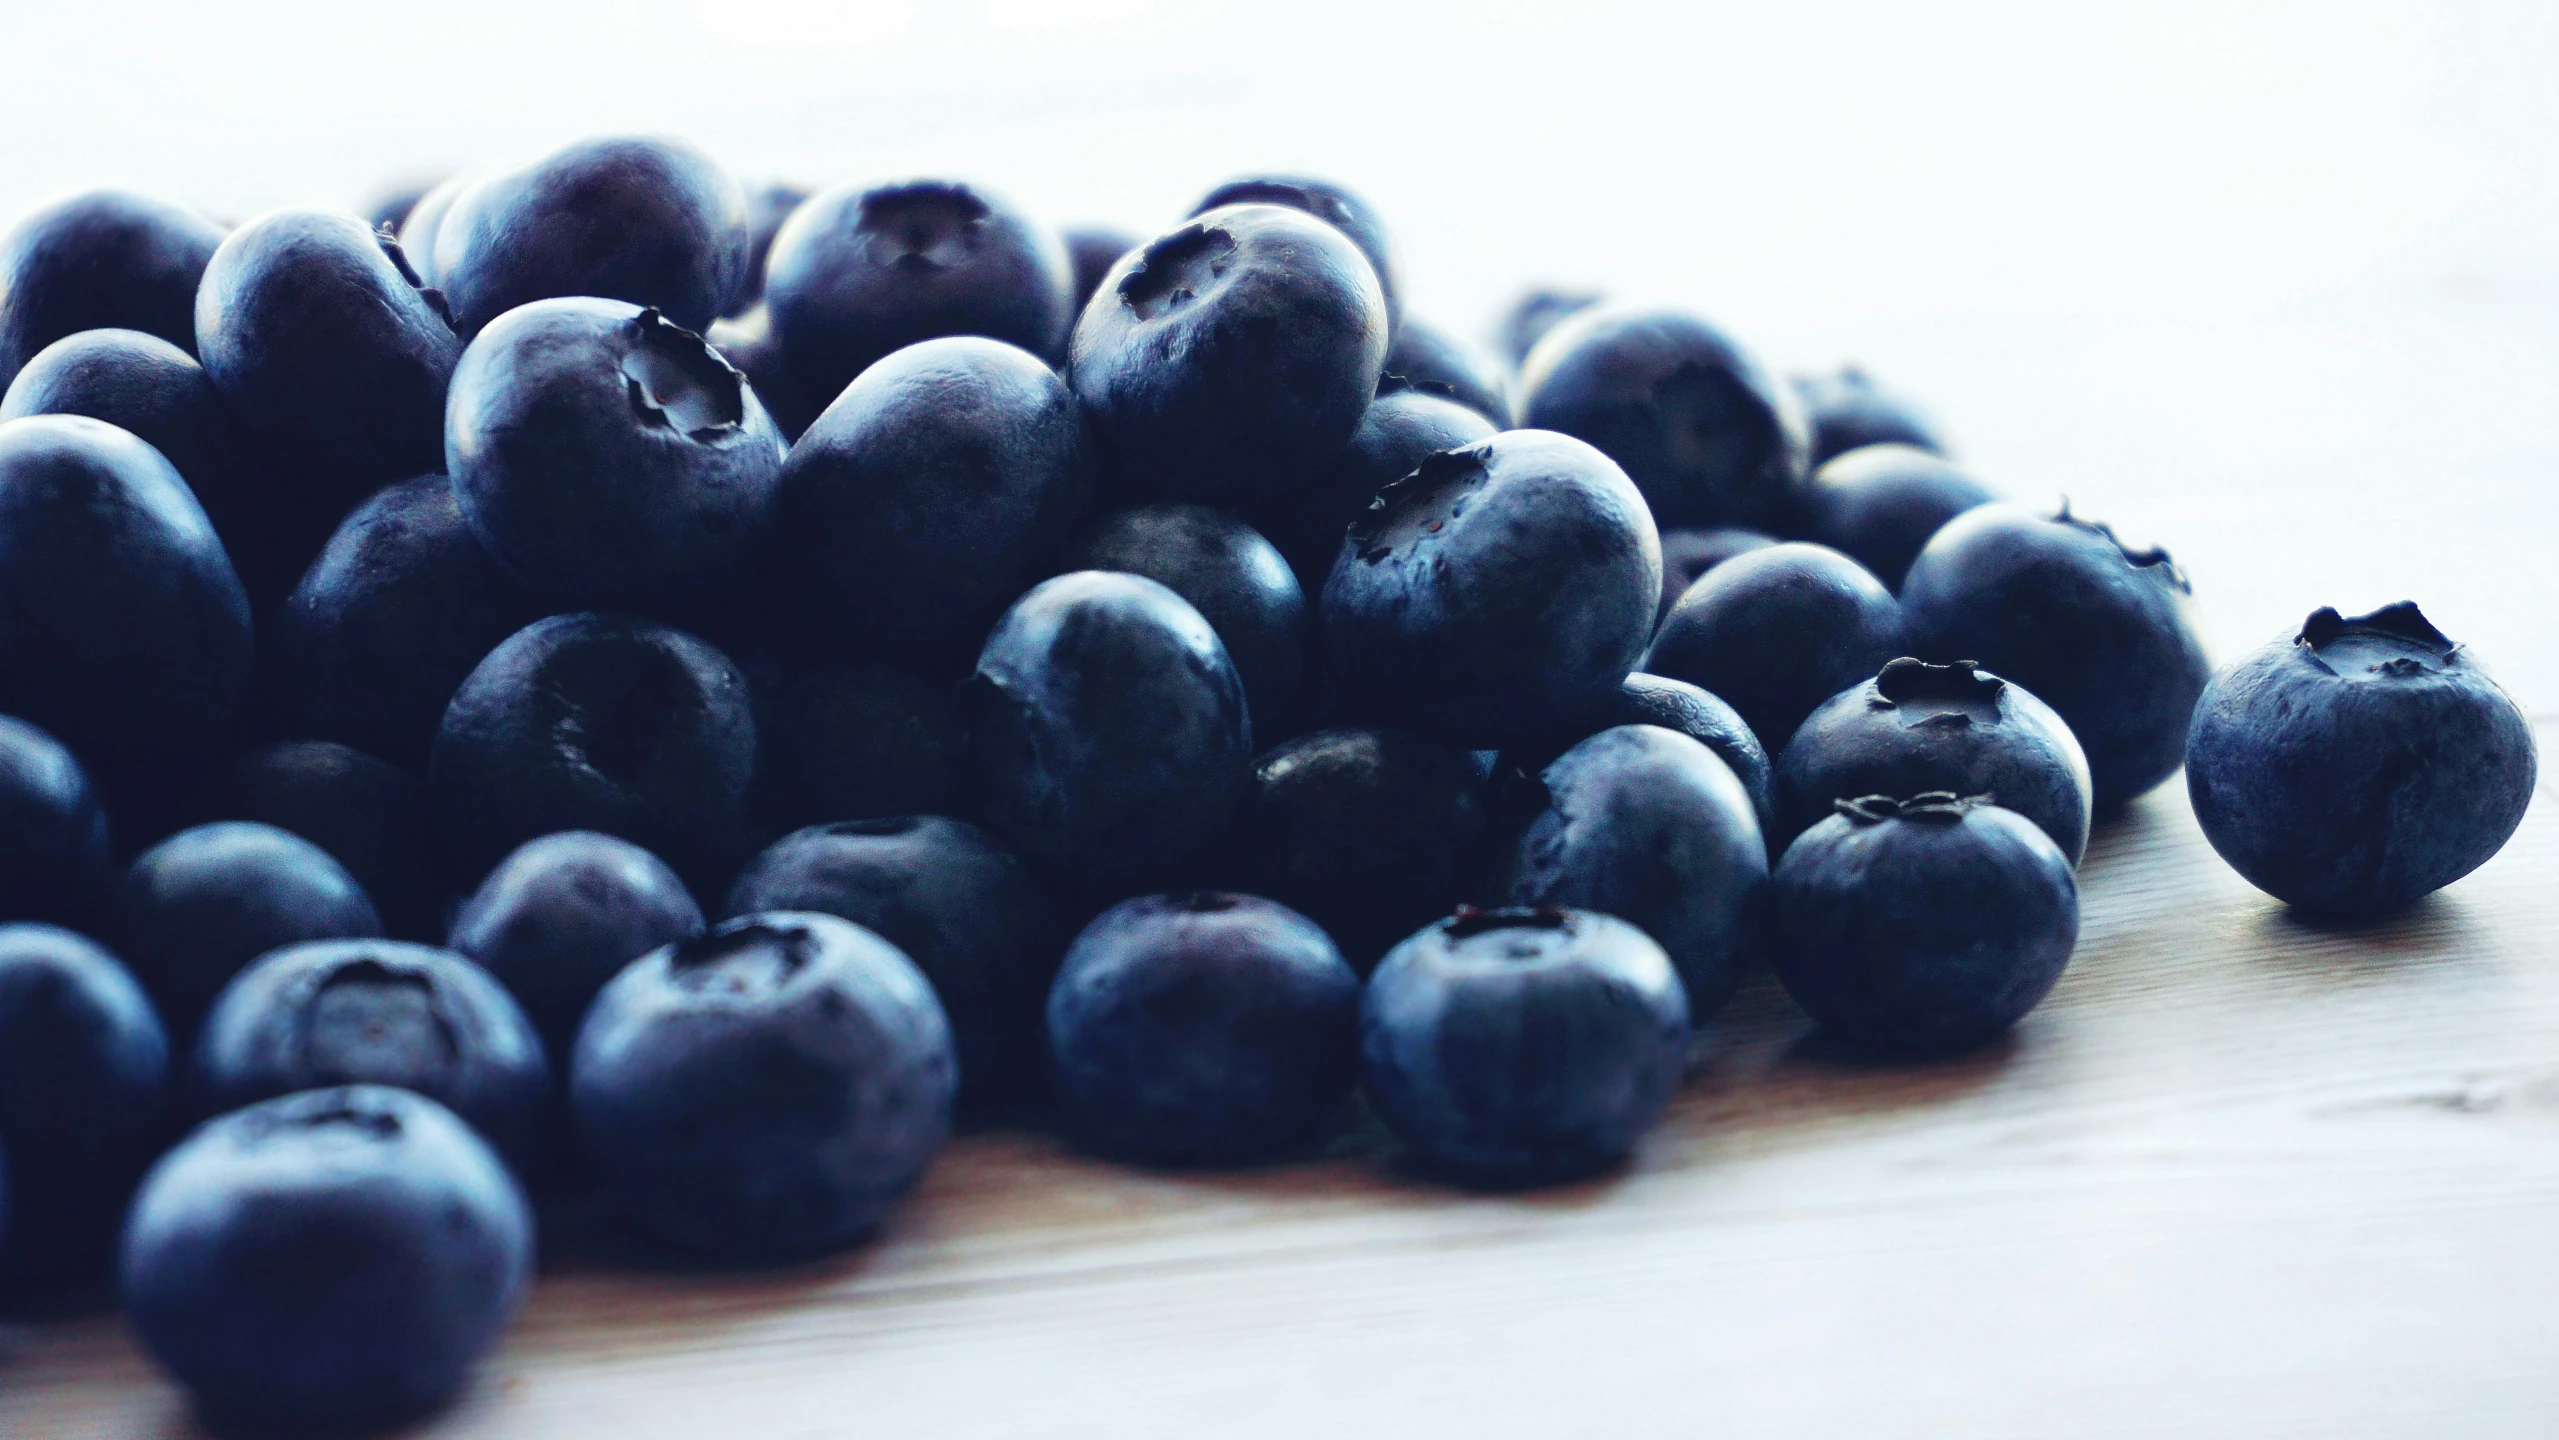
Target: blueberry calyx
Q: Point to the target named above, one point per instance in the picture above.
(875, 825)
(926, 225)
(1935, 807)
(1909, 679)
(743, 958)
(367, 1018)
(433, 297)
(1471, 921)
(1400, 498)
(1173, 271)
(2402, 620)
(677, 380)
(1203, 902)
(2153, 561)
(341, 1112)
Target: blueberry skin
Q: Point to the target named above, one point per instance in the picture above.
(846, 741)
(765, 1092)
(598, 722)
(421, 231)
(2102, 634)
(408, 1246)
(1395, 435)
(123, 629)
(1707, 435)
(54, 859)
(1923, 927)
(150, 387)
(860, 271)
(390, 618)
(1688, 554)
(1428, 359)
(975, 921)
(2360, 764)
(612, 459)
(379, 1012)
(767, 206)
(1371, 834)
(99, 261)
(1091, 251)
(371, 816)
(1917, 727)
(1111, 739)
(1495, 593)
(1511, 1047)
(1228, 361)
(1203, 1029)
(1537, 310)
(1335, 206)
(926, 497)
(324, 340)
(84, 1069)
(561, 916)
(1777, 631)
(649, 222)
(1238, 583)
(197, 908)
(1878, 504)
(1673, 705)
(1847, 410)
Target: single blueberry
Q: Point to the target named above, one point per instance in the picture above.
(1333, 204)
(54, 860)
(1848, 410)
(1429, 360)
(1688, 554)
(1395, 435)
(1878, 505)
(1777, 631)
(1204, 1029)
(338, 1257)
(847, 741)
(1496, 592)
(1238, 583)
(562, 915)
(1518, 1046)
(764, 1092)
(768, 205)
(2103, 634)
(100, 261)
(1672, 705)
(371, 816)
(1923, 926)
(2362, 763)
(1918, 727)
(1538, 309)
(1091, 251)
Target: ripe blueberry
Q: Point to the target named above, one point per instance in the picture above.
(1847, 410)
(562, 915)
(1775, 632)
(1878, 505)
(1238, 583)
(99, 261)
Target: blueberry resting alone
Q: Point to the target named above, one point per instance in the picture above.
(1879, 504)
(1847, 409)
(2359, 764)
(105, 260)
(1775, 632)
(561, 916)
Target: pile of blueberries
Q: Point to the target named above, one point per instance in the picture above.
(600, 681)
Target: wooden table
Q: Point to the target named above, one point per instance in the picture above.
(2238, 1176)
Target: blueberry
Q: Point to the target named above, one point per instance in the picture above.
(1539, 309)
(2363, 763)
(1777, 631)
(339, 1257)
(197, 908)
(1918, 727)
(845, 741)
(1672, 705)
(1878, 505)
(391, 206)
(765, 1092)
(1688, 554)
(1428, 359)
(562, 915)
(978, 924)
(1923, 927)
(104, 260)
(370, 816)
(1847, 410)
(1091, 251)
(325, 341)
(1203, 1029)
(390, 618)
(1371, 834)
(1110, 733)
(860, 271)
(2101, 633)
(924, 499)
(1333, 204)
(1228, 361)
(1517, 1046)
(598, 722)
(84, 1071)
(650, 222)
(123, 630)
(150, 387)
(1496, 592)
(421, 231)
(1238, 583)
(54, 860)
(379, 1012)
(1705, 433)
(1395, 435)
(746, 341)
(610, 458)
(767, 206)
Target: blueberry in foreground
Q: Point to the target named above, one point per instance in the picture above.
(1707, 435)
(2360, 764)
(2102, 633)
(1238, 583)
(1777, 631)
(54, 860)
(562, 915)
(1110, 735)
(404, 1246)
(1514, 1047)
(974, 919)
(1204, 1028)
(1879, 504)
(1429, 360)
(1395, 435)
(105, 260)
(1688, 554)
(1227, 361)
(1673, 705)
(765, 1092)
(370, 816)
(1917, 727)
(1336, 205)
(1925, 926)
(84, 1069)
(1495, 593)
(1091, 251)
(848, 739)
(197, 908)
(1847, 409)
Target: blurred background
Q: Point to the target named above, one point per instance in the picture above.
(2276, 286)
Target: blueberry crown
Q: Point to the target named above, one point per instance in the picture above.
(1465, 463)
(1912, 679)
(2154, 561)
(1935, 807)
(677, 380)
(2403, 621)
(1469, 921)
